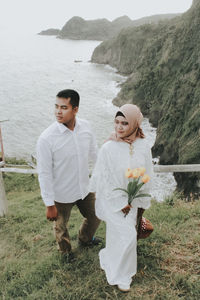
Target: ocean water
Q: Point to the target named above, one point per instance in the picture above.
(33, 69)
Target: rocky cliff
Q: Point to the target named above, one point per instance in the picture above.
(163, 64)
(79, 29)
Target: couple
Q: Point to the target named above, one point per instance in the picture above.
(64, 150)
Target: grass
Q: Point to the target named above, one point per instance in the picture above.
(32, 268)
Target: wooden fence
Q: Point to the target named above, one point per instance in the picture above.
(27, 170)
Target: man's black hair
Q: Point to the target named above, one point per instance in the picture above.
(73, 95)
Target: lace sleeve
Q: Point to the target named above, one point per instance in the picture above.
(145, 202)
(103, 181)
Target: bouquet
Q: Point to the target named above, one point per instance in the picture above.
(137, 178)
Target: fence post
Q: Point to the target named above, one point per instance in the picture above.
(3, 199)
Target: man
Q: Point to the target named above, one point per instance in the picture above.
(63, 153)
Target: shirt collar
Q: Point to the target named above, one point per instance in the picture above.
(64, 128)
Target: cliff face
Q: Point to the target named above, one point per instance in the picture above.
(164, 66)
(127, 50)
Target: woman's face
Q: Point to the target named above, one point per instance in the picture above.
(122, 127)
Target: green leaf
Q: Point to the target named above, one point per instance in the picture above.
(133, 187)
(136, 187)
(129, 187)
(137, 179)
(142, 195)
(119, 189)
(139, 187)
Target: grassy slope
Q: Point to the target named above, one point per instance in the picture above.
(31, 267)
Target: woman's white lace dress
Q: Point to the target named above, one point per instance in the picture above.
(119, 258)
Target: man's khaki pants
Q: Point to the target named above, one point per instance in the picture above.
(87, 229)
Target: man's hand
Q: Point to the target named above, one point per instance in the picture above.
(52, 213)
(126, 209)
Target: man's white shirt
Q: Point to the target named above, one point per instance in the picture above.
(63, 159)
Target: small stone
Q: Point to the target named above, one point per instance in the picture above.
(37, 237)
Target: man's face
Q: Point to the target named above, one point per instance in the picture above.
(64, 111)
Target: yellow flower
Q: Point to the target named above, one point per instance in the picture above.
(135, 173)
(128, 173)
(141, 171)
(145, 178)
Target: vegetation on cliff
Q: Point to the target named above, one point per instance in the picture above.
(163, 64)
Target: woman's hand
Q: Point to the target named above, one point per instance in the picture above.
(52, 213)
(126, 209)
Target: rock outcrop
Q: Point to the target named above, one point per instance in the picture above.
(79, 29)
(50, 31)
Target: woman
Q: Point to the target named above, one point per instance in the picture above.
(126, 148)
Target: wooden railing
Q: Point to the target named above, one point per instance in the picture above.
(176, 168)
(19, 169)
(3, 199)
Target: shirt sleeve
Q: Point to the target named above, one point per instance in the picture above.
(93, 147)
(45, 171)
(145, 202)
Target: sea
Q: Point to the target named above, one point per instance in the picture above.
(33, 69)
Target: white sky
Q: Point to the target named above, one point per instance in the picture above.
(36, 15)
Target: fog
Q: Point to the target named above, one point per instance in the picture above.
(36, 15)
